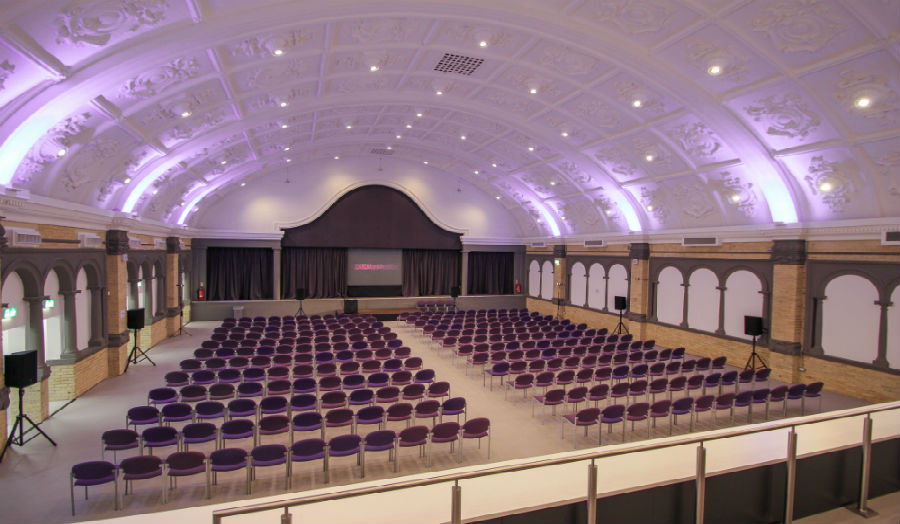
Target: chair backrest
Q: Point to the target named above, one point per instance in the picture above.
(382, 437)
(370, 413)
(577, 394)
(400, 409)
(445, 430)
(414, 434)
(814, 388)
(344, 443)
(638, 409)
(454, 404)
(476, 425)
(778, 393)
(704, 402)
(613, 412)
(599, 391)
(587, 415)
(683, 404)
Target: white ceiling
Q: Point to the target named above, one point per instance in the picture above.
(161, 108)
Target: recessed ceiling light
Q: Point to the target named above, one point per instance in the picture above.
(735, 197)
(462, 137)
(425, 162)
(418, 115)
(493, 164)
(408, 126)
(533, 90)
(278, 52)
(475, 172)
(825, 187)
(223, 162)
(608, 212)
(531, 148)
(243, 184)
(649, 157)
(539, 221)
(553, 182)
(337, 157)
(185, 114)
(636, 103)
(650, 207)
(483, 43)
(287, 148)
(349, 126)
(288, 160)
(563, 217)
(283, 104)
(128, 180)
(439, 92)
(284, 126)
(863, 102)
(155, 191)
(373, 68)
(398, 137)
(62, 152)
(714, 70)
(181, 203)
(389, 148)
(565, 133)
(497, 197)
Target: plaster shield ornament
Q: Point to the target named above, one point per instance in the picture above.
(616, 162)
(472, 33)
(693, 199)
(581, 211)
(890, 168)
(735, 193)
(696, 139)
(732, 62)
(785, 115)
(799, 25)
(264, 47)
(607, 208)
(654, 203)
(602, 115)
(83, 168)
(833, 180)
(380, 30)
(275, 75)
(566, 60)
(62, 136)
(634, 16)
(93, 23)
(573, 172)
(6, 70)
(629, 91)
(884, 99)
(192, 129)
(158, 80)
(662, 158)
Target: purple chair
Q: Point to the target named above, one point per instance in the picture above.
(500, 369)
(522, 382)
(192, 393)
(140, 468)
(576, 396)
(441, 433)
(176, 412)
(597, 393)
(682, 406)
(438, 389)
(673, 368)
(250, 389)
(93, 473)
(399, 411)
(584, 418)
(209, 409)
(427, 409)
(620, 373)
(381, 440)
(243, 407)
(341, 446)
(744, 377)
(142, 415)
(454, 406)
(237, 429)
(729, 378)
(333, 399)
(744, 399)
(304, 402)
(304, 385)
(118, 440)
(659, 385)
(415, 436)
(367, 416)
(162, 396)
(229, 459)
(176, 379)
(424, 376)
(387, 395)
(701, 404)
(273, 425)
(308, 421)
(378, 380)
(795, 392)
(660, 409)
(638, 388)
(270, 455)
(413, 392)
(603, 374)
(723, 402)
(610, 415)
(197, 433)
(762, 375)
(476, 428)
(307, 450)
(636, 413)
(361, 397)
(184, 463)
(813, 390)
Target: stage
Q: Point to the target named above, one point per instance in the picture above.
(219, 309)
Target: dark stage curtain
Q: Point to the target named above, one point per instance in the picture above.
(322, 271)
(429, 271)
(238, 273)
(490, 273)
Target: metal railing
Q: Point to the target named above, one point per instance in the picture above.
(591, 497)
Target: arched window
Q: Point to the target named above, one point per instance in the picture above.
(850, 319)
(534, 279)
(670, 296)
(53, 313)
(703, 300)
(15, 328)
(83, 311)
(547, 280)
(596, 287)
(578, 285)
(743, 297)
(618, 284)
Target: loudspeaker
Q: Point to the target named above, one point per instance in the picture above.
(135, 319)
(301, 293)
(621, 304)
(351, 307)
(454, 291)
(753, 326)
(20, 369)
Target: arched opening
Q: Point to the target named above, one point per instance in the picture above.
(596, 287)
(547, 280)
(893, 330)
(850, 319)
(703, 300)
(534, 279)
(617, 285)
(83, 310)
(670, 296)
(578, 285)
(16, 315)
(53, 317)
(743, 297)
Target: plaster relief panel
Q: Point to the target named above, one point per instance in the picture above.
(698, 141)
(783, 117)
(162, 78)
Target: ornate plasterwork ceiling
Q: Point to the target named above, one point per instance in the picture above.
(583, 117)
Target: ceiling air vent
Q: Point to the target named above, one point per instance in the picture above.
(890, 238)
(539, 244)
(159, 243)
(134, 243)
(89, 240)
(595, 243)
(453, 63)
(381, 151)
(21, 237)
(700, 241)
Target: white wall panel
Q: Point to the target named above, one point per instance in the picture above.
(618, 284)
(850, 319)
(596, 287)
(82, 311)
(534, 279)
(742, 297)
(703, 300)
(893, 330)
(578, 285)
(670, 296)
(53, 318)
(547, 280)
(14, 329)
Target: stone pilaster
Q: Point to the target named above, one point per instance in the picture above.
(173, 302)
(639, 287)
(117, 299)
(788, 300)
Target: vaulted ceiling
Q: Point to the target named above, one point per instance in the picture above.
(579, 117)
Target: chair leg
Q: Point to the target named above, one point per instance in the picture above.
(72, 492)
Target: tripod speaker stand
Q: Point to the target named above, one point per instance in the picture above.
(21, 372)
(301, 296)
(753, 326)
(621, 304)
(135, 321)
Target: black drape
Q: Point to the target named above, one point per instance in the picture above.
(322, 271)
(491, 273)
(429, 271)
(238, 273)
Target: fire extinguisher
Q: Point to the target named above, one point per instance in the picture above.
(518, 287)
(201, 293)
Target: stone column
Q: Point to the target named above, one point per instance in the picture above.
(69, 334)
(881, 360)
(97, 315)
(639, 288)
(560, 280)
(720, 330)
(788, 303)
(684, 305)
(116, 299)
(173, 296)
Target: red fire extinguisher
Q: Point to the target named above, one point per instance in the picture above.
(201, 293)
(518, 287)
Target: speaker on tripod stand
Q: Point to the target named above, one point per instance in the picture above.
(134, 320)
(301, 296)
(753, 326)
(621, 304)
(20, 371)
